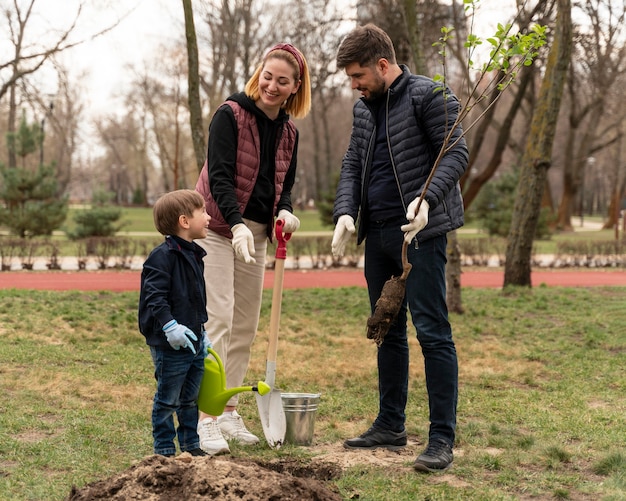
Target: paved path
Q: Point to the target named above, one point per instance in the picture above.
(119, 281)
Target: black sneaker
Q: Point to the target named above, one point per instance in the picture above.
(375, 438)
(437, 457)
(198, 452)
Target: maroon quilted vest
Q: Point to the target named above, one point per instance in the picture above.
(248, 160)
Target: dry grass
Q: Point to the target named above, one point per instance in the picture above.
(541, 408)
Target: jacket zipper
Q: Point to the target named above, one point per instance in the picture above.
(393, 163)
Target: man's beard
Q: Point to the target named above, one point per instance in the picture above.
(377, 92)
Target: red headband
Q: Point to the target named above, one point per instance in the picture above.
(293, 51)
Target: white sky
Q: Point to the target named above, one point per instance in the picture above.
(143, 26)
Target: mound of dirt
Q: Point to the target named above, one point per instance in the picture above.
(223, 477)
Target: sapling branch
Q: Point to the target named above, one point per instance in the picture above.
(509, 54)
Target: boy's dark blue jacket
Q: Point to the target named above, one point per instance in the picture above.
(172, 287)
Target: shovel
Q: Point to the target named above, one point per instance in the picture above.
(270, 405)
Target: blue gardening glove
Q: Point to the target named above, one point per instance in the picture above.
(243, 243)
(344, 230)
(207, 342)
(417, 221)
(179, 336)
(292, 223)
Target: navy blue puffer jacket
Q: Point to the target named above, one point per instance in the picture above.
(172, 287)
(418, 119)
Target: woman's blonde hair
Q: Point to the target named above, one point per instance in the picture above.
(298, 104)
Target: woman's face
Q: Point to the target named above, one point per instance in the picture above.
(276, 83)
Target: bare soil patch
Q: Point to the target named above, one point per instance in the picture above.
(231, 478)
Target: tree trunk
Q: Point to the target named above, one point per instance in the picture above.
(193, 85)
(538, 153)
(414, 31)
(453, 274)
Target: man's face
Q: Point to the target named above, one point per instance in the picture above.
(368, 80)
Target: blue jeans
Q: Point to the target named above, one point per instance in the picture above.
(178, 375)
(426, 299)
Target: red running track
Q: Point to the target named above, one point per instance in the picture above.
(119, 281)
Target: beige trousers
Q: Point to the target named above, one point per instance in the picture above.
(234, 292)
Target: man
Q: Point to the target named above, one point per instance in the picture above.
(398, 130)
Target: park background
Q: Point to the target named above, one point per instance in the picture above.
(542, 404)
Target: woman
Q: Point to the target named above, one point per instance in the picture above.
(246, 182)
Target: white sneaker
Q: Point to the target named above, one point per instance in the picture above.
(232, 428)
(211, 440)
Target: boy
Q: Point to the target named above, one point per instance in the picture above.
(172, 312)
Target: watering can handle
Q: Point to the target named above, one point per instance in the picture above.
(281, 249)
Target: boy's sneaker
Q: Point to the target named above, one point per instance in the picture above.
(211, 440)
(437, 457)
(198, 452)
(232, 428)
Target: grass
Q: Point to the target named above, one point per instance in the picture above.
(542, 406)
(138, 225)
(139, 219)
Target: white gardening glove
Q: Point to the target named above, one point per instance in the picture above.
(179, 336)
(416, 221)
(243, 243)
(342, 234)
(292, 223)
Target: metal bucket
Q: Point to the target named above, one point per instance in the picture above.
(300, 410)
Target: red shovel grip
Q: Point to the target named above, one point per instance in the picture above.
(281, 237)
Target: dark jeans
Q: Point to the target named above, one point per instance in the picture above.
(178, 375)
(426, 300)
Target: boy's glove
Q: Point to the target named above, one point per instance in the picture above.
(179, 336)
(292, 223)
(417, 222)
(343, 232)
(243, 243)
(206, 341)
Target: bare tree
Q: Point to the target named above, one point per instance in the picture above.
(196, 123)
(500, 119)
(163, 104)
(61, 115)
(232, 39)
(597, 63)
(25, 59)
(538, 153)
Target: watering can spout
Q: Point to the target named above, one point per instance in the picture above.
(213, 395)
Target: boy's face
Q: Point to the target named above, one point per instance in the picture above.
(198, 224)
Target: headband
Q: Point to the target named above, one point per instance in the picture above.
(293, 51)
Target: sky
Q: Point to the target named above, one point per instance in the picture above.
(143, 26)
(140, 27)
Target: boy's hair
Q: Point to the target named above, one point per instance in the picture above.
(297, 105)
(169, 207)
(365, 45)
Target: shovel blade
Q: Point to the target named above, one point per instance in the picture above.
(272, 416)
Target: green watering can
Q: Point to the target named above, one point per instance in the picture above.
(213, 393)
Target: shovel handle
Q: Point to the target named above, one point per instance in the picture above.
(281, 238)
(277, 297)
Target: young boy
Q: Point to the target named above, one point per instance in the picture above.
(172, 312)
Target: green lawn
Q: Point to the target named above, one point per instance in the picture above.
(139, 219)
(542, 401)
(313, 235)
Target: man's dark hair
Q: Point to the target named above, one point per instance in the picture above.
(365, 45)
